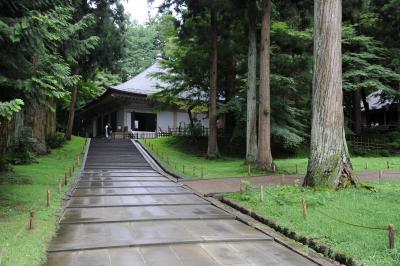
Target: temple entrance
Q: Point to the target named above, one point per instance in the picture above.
(143, 122)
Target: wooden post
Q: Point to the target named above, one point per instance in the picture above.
(282, 179)
(380, 175)
(31, 220)
(274, 168)
(202, 171)
(79, 159)
(249, 170)
(297, 169)
(304, 203)
(391, 236)
(183, 168)
(387, 163)
(194, 170)
(241, 189)
(48, 198)
(66, 179)
(262, 193)
(59, 186)
(366, 165)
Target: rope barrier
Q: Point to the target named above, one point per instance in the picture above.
(351, 224)
(334, 218)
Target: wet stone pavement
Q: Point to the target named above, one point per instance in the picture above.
(122, 212)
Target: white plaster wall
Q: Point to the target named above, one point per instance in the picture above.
(182, 119)
(165, 119)
(128, 119)
(203, 118)
(120, 119)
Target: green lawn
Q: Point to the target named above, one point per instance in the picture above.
(175, 157)
(24, 190)
(282, 205)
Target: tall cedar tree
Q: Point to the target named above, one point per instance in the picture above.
(264, 116)
(251, 120)
(329, 163)
(212, 150)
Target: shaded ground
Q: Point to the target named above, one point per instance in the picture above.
(211, 186)
(122, 212)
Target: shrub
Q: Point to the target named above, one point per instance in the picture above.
(55, 141)
(21, 150)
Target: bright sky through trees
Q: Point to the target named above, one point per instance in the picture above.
(139, 9)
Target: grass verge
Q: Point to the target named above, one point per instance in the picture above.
(25, 190)
(180, 158)
(282, 205)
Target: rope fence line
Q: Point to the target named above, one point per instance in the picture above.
(390, 228)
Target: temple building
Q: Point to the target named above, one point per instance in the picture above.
(127, 107)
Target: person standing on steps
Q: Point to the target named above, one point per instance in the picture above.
(108, 131)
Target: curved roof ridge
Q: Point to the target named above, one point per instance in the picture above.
(143, 83)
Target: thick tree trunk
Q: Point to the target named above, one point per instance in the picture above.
(357, 111)
(212, 151)
(251, 123)
(71, 116)
(189, 111)
(264, 116)
(3, 142)
(366, 107)
(398, 114)
(329, 163)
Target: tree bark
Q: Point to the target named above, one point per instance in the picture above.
(264, 122)
(212, 151)
(71, 116)
(189, 111)
(329, 163)
(251, 122)
(398, 113)
(3, 142)
(357, 111)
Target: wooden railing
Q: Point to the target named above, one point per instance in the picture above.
(366, 142)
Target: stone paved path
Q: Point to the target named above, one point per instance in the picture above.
(232, 184)
(122, 212)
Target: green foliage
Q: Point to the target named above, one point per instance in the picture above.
(22, 149)
(55, 141)
(7, 109)
(365, 64)
(143, 43)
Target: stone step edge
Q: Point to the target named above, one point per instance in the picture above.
(127, 244)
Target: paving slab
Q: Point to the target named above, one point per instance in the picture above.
(136, 200)
(196, 254)
(125, 179)
(143, 213)
(121, 174)
(127, 184)
(101, 235)
(80, 192)
(123, 212)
